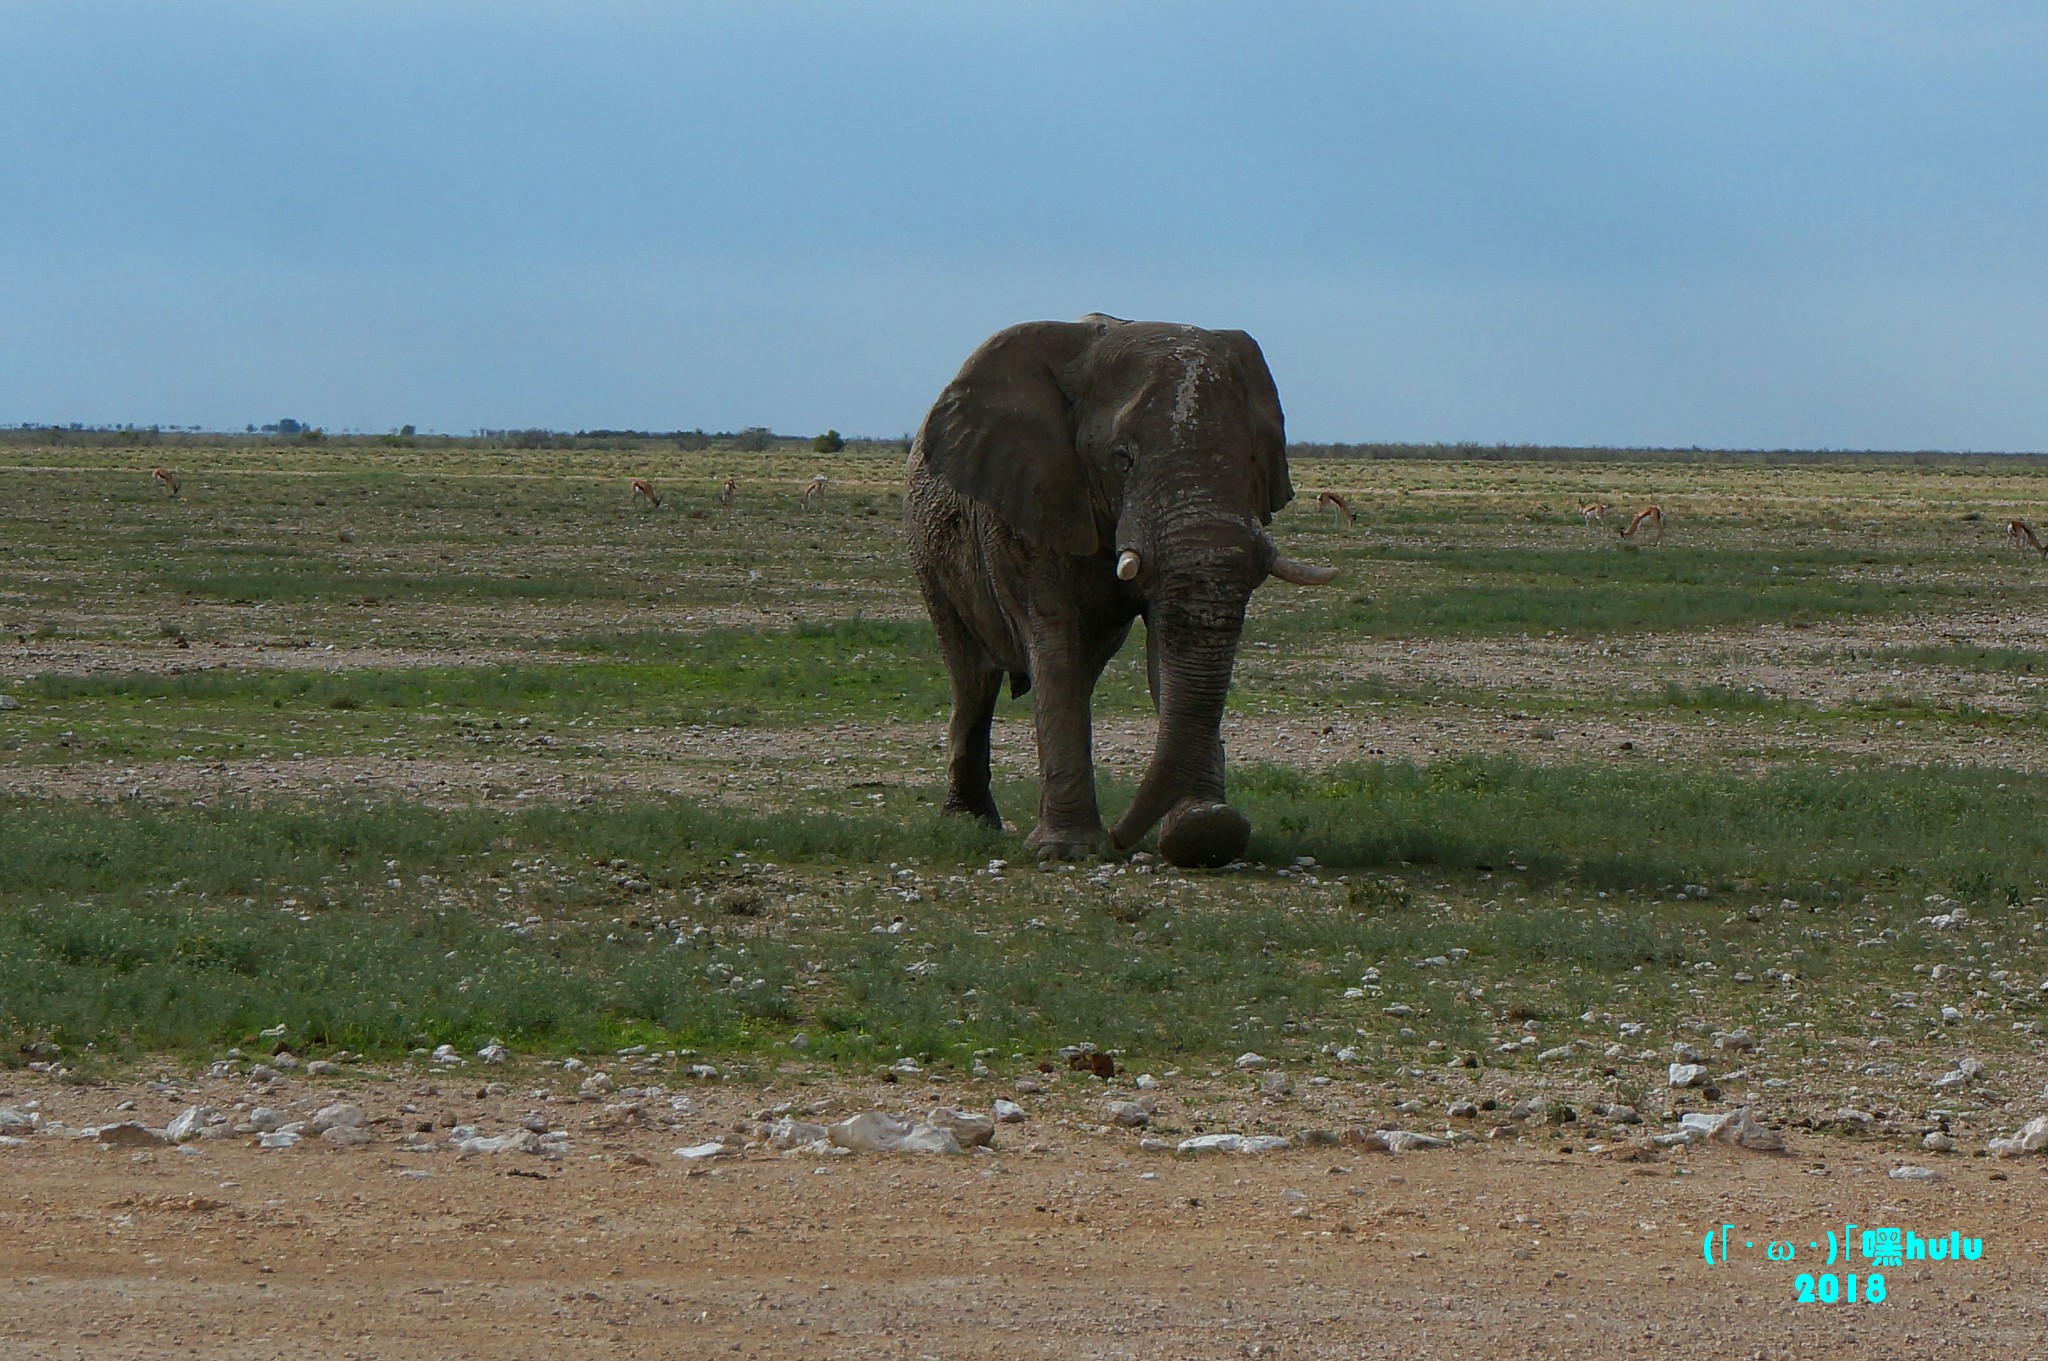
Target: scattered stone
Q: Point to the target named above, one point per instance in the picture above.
(341, 1115)
(265, 1119)
(968, 1128)
(1685, 1053)
(1735, 1041)
(699, 1152)
(1147, 1082)
(1394, 1140)
(1623, 1115)
(263, 1072)
(188, 1123)
(1128, 1114)
(1275, 1084)
(1029, 1086)
(277, 1139)
(323, 1068)
(9, 702)
(1557, 1054)
(1008, 1112)
(128, 1134)
(874, 1132)
(1937, 1142)
(446, 1054)
(346, 1136)
(13, 1119)
(1151, 1145)
(1464, 1110)
(1736, 1127)
(1911, 1173)
(2032, 1138)
(1855, 1119)
(787, 1133)
(494, 1052)
(1687, 1074)
(518, 1141)
(1318, 1138)
(1233, 1143)
(1250, 1060)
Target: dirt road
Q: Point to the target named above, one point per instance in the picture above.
(1067, 1241)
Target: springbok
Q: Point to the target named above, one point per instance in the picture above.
(728, 495)
(165, 476)
(1331, 501)
(1593, 512)
(641, 488)
(814, 490)
(2020, 534)
(1650, 515)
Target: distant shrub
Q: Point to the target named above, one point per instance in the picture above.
(754, 439)
(831, 442)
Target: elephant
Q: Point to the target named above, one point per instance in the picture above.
(1073, 478)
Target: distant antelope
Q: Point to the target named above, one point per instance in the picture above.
(728, 495)
(640, 488)
(1650, 515)
(165, 476)
(1330, 501)
(1594, 512)
(814, 490)
(2020, 534)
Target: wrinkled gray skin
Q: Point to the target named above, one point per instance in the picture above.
(1059, 448)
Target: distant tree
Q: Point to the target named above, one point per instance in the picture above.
(831, 442)
(754, 439)
(288, 426)
(406, 431)
(691, 440)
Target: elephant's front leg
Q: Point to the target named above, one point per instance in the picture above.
(1063, 674)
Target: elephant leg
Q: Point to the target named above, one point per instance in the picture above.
(1063, 675)
(976, 683)
(1201, 830)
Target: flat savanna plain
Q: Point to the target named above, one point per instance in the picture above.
(397, 747)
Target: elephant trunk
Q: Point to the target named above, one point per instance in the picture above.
(1196, 646)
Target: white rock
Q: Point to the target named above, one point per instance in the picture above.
(323, 1068)
(277, 1139)
(188, 1123)
(698, 1152)
(518, 1141)
(1400, 1141)
(1233, 1143)
(13, 1119)
(1910, 1173)
(1736, 1127)
(1556, 1055)
(1147, 1082)
(1685, 1053)
(1128, 1114)
(446, 1054)
(265, 1119)
(1735, 1041)
(345, 1136)
(1687, 1074)
(1251, 1060)
(1937, 1142)
(970, 1129)
(1275, 1084)
(787, 1133)
(1008, 1112)
(128, 1134)
(874, 1132)
(494, 1052)
(340, 1115)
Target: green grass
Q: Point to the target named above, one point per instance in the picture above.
(367, 927)
(1465, 590)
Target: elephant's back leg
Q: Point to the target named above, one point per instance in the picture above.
(950, 561)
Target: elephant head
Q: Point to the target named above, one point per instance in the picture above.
(1148, 458)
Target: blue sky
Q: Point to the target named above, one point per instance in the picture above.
(1726, 224)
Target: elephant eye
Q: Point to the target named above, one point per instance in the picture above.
(1121, 456)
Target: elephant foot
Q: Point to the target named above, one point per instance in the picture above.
(1204, 835)
(1069, 843)
(984, 810)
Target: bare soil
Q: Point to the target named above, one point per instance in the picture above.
(1068, 1240)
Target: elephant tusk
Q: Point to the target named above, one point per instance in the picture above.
(1300, 573)
(1127, 565)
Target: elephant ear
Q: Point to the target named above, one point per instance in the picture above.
(1268, 426)
(1002, 434)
